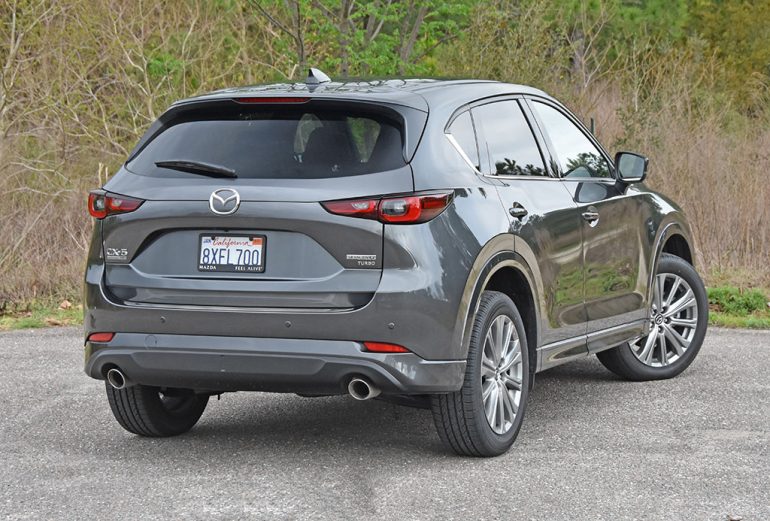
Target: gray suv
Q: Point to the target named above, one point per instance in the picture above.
(431, 242)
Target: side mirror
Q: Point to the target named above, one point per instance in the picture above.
(631, 167)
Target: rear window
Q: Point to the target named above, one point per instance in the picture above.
(278, 142)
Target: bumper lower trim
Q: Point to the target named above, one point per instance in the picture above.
(220, 363)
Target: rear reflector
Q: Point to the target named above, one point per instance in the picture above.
(100, 205)
(412, 209)
(271, 100)
(380, 347)
(101, 337)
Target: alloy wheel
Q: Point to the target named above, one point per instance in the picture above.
(501, 374)
(673, 319)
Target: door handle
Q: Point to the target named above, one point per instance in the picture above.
(517, 211)
(591, 215)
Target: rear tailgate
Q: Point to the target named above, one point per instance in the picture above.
(285, 250)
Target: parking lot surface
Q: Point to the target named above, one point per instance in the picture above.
(592, 447)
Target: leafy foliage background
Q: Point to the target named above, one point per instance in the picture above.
(683, 81)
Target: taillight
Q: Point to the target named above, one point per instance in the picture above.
(364, 208)
(381, 347)
(101, 337)
(100, 205)
(411, 209)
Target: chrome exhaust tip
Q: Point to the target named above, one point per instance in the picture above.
(117, 379)
(361, 389)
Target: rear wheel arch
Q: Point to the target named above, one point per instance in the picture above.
(507, 273)
(512, 282)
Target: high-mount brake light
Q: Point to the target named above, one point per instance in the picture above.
(411, 209)
(100, 205)
(269, 99)
(382, 347)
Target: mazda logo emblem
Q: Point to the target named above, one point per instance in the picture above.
(224, 201)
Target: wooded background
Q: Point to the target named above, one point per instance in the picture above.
(686, 82)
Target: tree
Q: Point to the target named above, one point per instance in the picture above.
(364, 37)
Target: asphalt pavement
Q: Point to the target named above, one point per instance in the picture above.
(696, 447)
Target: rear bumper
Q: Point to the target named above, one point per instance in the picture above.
(220, 363)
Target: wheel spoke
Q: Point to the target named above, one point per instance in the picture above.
(499, 332)
(515, 358)
(486, 390)
(501, 408)
(514, 405)
(676, 340)
(510, 406)
(672, 291)
(490, 404)
(649, 346)
(487, 367)
(660, 282)
(689, 323)
(505, 347)
(687, 301)
(663, 348)
(489, 342)
(511, 382)
(497, 339)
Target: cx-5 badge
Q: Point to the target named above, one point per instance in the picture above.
(221, 201)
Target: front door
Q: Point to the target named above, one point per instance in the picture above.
(615, 277)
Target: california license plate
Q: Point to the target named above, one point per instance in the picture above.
(233, 253)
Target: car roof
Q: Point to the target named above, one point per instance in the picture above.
(421, 94)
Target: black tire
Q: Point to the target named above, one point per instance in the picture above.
(460, 416)
(622, 361)
(146, 411)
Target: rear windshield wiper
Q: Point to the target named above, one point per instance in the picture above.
(197, 167)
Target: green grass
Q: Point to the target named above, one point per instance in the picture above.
(734, 307)
(750, 322)
(37, 314)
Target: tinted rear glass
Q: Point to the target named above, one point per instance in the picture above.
(278, 142)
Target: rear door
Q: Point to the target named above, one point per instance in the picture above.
(544, 220)
(231, 214)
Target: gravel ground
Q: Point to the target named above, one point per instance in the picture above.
(592, 447)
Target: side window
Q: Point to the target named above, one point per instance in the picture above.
(577, 156)
(462, 131)
(511, 146)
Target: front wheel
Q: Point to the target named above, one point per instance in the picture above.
(155, 412)
(483, 418)
(678, 320)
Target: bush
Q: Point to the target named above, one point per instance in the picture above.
(735, 301)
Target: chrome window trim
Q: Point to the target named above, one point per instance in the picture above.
(462, 153)
(532, 177)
